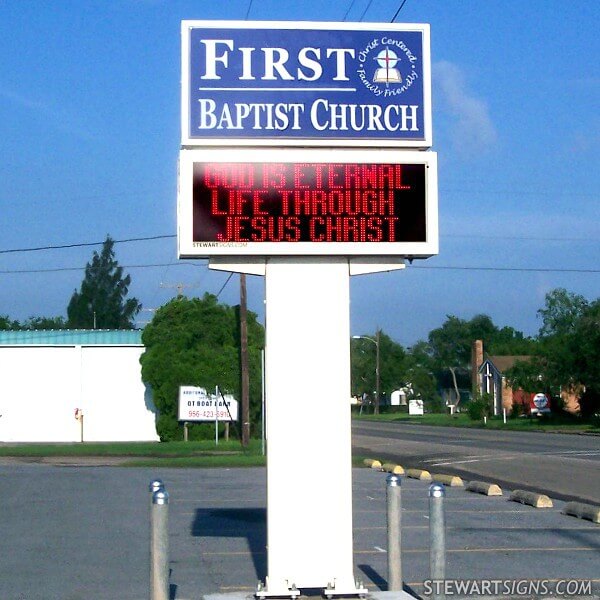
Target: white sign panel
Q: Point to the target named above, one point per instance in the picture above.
(415, 407)
(195, 404)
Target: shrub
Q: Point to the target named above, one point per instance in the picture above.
(479, 407)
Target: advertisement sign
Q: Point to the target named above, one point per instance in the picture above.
(314, 83)
(415, 407)
(195, 404)
(307, 202)
(539, 404)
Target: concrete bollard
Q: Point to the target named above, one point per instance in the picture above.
(159, 546)
(437, 537)
(394, 532)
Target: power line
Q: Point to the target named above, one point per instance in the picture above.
(84, 244)
(518, 238)
(545, 239)
(398, 11)
(349, 9)
(366, 9)
(185, 263)
(223, 286)
(65, 269)
(248, 11)
(509, 269)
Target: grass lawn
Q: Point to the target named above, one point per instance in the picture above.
(552, 423)
(167, 454)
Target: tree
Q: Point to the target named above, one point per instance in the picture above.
(451, 347)
(568, 353)
(101, 301)
(562, 335)
(32, 323)
(38, 323)
(392, 373)
(561, 312)
(451, 343)
(197, 342)
(420, 374)
(6, 324)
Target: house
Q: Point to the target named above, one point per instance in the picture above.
(488, 378)
(487, 374)
(492, 381)
(69, 385)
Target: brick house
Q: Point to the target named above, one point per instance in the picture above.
(487, 374)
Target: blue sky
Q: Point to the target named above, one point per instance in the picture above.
(90, 132)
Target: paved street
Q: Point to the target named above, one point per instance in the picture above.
(82, 533)
(563, 466)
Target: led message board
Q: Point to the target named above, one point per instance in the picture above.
(298, 202)
(306, 83)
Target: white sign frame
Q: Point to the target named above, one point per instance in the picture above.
(187, 248)
(423, 28)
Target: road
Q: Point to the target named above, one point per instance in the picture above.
(564, 466)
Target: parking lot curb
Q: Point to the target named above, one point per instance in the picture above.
(530, 498)
(372, 463)
(419, 474)
(485, 488)
(449, 480)
(582, 511)
(393, 468)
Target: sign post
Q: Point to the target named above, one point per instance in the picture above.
(290, 169)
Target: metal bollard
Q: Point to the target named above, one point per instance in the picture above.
(394, 532)
(155, 485)
(159, 546)
(437, 538)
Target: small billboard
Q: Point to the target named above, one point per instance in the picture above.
(196, 404)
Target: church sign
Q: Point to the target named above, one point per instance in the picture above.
(316, 84)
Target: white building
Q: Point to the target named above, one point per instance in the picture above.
(46, 376)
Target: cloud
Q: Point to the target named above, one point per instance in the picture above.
(471, 126)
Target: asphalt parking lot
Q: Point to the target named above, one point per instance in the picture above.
(82, 533)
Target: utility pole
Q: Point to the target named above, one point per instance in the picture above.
(377, 372)
(178, 286)
(244, 362)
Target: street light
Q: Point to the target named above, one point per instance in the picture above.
(377, 383)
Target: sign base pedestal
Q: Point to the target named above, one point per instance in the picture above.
(309, 463)
(308, 426)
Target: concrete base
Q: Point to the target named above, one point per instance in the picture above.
(370, 596)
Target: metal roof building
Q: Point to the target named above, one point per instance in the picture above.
(72, 337)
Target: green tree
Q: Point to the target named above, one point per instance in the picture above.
(420, 374)
(392, 371)
(6, 324)
(561, 339)
(101, 302)
(196, 342)
(36, 323)
(451, 347)
(561, 312)
(452, 342)
(568, 352)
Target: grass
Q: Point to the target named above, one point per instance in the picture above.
(552, 423)
(187, 462)
(166, 454)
